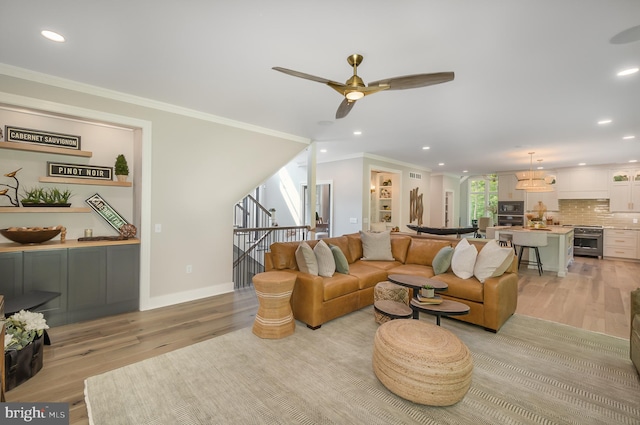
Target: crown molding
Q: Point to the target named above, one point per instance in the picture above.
(38, 77)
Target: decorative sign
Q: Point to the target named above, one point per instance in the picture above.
(37, 137)
(57, 169)
(106, 211)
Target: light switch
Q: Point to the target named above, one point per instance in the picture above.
(353, 220)
(158, 228)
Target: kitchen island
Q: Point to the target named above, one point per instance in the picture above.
(558, 253)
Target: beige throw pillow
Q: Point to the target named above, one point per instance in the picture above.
(493, 260)
(376, 246)
(306, 259)
(464, 259)
(324, 256)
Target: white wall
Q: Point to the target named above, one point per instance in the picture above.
(199, 167)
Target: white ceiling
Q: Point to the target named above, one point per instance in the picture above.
(530, 75)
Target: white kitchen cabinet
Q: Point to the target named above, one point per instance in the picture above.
(550, 199)
(621, 243)
(624, 191)
(507, 188)
(583, 183)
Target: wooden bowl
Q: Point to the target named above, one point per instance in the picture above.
(26, 235)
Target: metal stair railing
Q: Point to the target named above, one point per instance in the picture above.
(250, 244)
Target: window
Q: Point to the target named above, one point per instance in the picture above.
(483, 197)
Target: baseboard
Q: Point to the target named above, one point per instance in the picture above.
(186, 296)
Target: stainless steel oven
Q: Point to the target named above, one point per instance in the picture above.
(510, 213)
(588, 241)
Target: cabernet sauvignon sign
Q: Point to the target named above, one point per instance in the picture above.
(37, 137)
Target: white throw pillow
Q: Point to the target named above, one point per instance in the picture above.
(493, 260)
(324, 256)
(464, 259)
(306, 259)
(376, 246)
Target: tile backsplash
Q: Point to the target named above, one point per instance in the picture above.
(593, 212)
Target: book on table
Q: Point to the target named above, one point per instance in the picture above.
(427, 301)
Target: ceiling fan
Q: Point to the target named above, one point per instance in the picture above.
(355, 89)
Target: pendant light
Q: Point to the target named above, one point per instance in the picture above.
(532, 180)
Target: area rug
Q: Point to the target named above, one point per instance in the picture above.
(531, 372)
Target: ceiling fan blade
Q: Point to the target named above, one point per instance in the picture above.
(305, 76)
(344, 108)
(414, 81)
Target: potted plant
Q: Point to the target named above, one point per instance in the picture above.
(121, 168)
(427, 291)
(23, 346)
(51, 197)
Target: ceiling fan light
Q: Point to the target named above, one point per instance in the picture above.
(354, 95)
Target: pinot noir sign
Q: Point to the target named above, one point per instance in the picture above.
(95, 172)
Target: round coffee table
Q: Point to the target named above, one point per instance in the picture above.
(446, 308)
(416, 282)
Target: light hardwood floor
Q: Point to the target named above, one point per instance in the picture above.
(594, 296)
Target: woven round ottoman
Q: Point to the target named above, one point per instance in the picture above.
(422, 362)
(388, 291)
(274, 318)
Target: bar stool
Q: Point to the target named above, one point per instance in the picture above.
(530, 239)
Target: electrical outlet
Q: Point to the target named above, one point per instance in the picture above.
(635, 221)
(158, 228)
(189, 268)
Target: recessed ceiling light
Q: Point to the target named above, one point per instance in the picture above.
(583, 163)
(465, 171)
(633, 160)
(425, 148)
(441, 164)
(602, 122)
(540, 168)
(627, 71)
(357, 133)
(323, 150)
(628, 137)
(53, 36)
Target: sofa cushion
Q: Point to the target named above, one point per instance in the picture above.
(376, 246)
(324, 257)
(442, 261)
(413, 269)
(342, 265)
(367, 274)
(338, 285)
(283, 255)
(306, 259)
(423, 251)
(465, 289)
(492, 261)
(464, 259)
(400, 247)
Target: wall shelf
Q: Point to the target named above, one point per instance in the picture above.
(95, 182)
(45, 149)
(44, 210)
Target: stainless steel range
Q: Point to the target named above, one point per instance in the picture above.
(588, 241)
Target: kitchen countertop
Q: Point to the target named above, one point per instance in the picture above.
(552, 230)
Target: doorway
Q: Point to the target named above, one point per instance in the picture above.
(324, 212)
(448, 208)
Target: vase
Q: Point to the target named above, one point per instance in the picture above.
(21, 365)
(121, 177)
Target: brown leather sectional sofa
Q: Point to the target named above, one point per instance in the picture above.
(316, 299)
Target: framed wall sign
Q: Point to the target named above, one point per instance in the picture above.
(106, 211)
(77, 171)
(38, 137)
